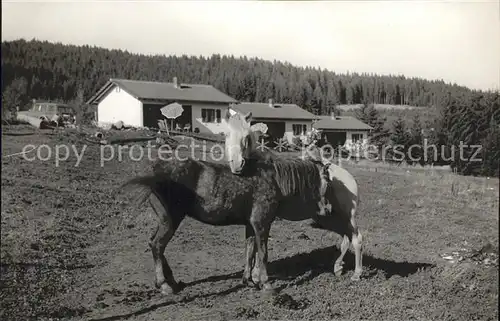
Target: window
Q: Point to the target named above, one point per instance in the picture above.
(208, 115)
(64, 110)
(357, 138)
(299, 129)
(211, 115)
(218, 117)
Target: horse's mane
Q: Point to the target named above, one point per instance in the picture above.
(294, 176)
(298, 177)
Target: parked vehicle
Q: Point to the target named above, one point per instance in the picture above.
(57, 114)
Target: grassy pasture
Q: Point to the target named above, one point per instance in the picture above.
(73, 247)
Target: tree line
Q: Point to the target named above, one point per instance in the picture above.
(45, 70)
(68, 73)
(465, 135)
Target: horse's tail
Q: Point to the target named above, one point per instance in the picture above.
(147, 185)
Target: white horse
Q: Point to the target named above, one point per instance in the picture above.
(341, 193)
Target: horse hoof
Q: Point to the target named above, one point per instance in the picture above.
(247, 281)
(337, 270)
(269, 291)
(355, 277)
(165, 289)
(179, 286)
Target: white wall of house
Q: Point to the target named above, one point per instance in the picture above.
(218, 127)
(211, 126)
(289, 129)
(356, 142)
(120, 105)
(352, 136)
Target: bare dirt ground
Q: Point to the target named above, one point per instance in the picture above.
(74, 248)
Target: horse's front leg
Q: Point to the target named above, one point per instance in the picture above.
(250, 254)
(259, 273)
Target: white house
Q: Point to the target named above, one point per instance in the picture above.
(343, 130)
(282, 120)
(138, 103)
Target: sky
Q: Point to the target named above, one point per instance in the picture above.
(457, 41)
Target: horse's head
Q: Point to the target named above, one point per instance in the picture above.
(241, 140)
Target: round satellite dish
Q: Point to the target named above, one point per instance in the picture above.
(172, 111)
(259, 127)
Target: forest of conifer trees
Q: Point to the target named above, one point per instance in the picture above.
(53, 71)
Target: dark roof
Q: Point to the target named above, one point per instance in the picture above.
(278, 111)
(340, 123)
(151, 90)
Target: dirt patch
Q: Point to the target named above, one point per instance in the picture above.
(38, 277)
(287, 302)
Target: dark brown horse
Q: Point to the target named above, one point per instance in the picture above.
(212, 194)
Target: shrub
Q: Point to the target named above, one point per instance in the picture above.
(297, 141)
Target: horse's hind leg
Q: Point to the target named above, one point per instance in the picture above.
(339, 225)
(357, 240)
(347, 228)
(164, 233)
(250, 254)
(339, 263)
(354, 236)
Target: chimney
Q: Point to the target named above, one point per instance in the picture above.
(271, 103)
(175, 82)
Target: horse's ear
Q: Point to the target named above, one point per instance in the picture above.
(248, 117)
